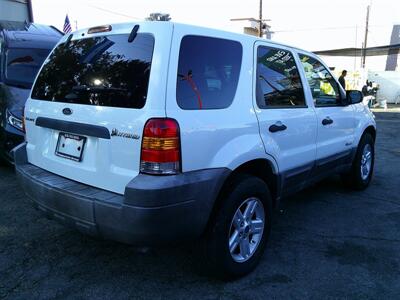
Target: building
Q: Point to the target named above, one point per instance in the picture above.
(16, 10)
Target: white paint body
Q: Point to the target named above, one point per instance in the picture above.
(220, 138)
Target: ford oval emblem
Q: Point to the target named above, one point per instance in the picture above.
(67, 111)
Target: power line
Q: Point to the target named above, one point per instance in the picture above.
(113, 12)
(315, 28)
(326, 28)
(259, 26)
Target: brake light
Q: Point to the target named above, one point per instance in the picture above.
(161, 149)
(97, 29)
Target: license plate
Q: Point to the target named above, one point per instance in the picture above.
(70, 146)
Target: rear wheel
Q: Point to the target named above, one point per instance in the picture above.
(362, 169)
(237, 238)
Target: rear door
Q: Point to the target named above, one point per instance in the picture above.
(90, 102)
(287, 122)
(335, 119)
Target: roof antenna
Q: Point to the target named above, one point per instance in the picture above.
(133, 34)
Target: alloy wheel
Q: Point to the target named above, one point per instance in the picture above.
(246, 229)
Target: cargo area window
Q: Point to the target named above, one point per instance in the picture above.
(101, 71)
(208, 72)
(278, 83)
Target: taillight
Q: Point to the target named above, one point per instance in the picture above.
(161, 149)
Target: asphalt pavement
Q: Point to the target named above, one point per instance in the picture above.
(326, 243)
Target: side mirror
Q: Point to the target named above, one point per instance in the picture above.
(354, 97)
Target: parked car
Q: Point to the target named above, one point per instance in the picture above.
(158, 132)
(23, 48)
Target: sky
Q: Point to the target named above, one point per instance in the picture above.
(308, 24)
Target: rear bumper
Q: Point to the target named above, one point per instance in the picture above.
(154, 210)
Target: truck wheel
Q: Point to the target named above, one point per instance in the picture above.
(237, 238)
(361, 171)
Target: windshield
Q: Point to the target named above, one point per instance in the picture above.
(101, 71)
(22, 65)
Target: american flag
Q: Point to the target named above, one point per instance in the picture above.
(67, 25)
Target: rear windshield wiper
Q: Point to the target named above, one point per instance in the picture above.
(133, 33)
(68, 39)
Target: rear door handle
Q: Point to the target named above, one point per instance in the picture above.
(327, 121)
(278, 126)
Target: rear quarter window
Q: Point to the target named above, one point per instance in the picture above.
(208, 72)
(101, 71)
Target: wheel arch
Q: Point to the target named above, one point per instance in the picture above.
(371, 130)
(261, 168)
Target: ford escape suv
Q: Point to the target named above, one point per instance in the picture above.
(156, 132)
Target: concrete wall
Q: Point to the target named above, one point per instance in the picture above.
(15, 10)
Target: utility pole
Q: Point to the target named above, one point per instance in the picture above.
(365, 38)
(355, 51)
(258, 27)
(261, 20)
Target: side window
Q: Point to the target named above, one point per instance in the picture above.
(324, 89)
(278, 80)
(208, 72)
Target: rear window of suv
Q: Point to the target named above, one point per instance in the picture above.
(208, 72)
(101, 71)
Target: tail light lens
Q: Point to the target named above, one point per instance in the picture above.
(161, 149)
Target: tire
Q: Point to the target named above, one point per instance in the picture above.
(362, 168)
(242, 193)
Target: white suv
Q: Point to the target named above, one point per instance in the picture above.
(157, 132)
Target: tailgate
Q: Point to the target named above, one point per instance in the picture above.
(90, 102)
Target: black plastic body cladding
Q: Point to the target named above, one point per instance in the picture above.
(154, 210)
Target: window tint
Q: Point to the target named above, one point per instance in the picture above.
(208, 72)
(22, 65)
(278, 80)
(102, 71)
(323, 86)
